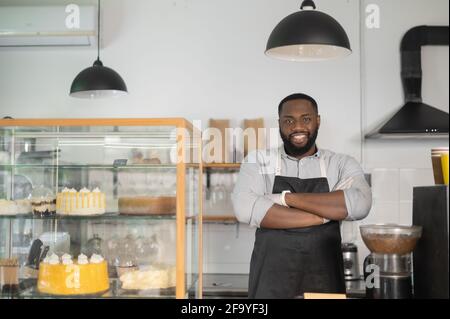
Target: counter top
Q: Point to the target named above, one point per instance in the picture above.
(356, 289)
(224, 286)
(227, 286)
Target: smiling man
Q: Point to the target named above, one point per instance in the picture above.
(296, 197)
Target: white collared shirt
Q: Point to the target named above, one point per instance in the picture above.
(257, 175)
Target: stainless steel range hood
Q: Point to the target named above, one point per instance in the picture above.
(415, 118)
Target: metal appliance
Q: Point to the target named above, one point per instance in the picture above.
(388, 269)
(351, 264)
(431, 256)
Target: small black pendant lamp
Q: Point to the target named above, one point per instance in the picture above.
(308, 35)
(98, 81)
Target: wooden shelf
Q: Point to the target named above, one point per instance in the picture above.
(220, 218)
(223, 165)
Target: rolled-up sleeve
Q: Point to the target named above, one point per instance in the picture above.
(358, 199)
(250, 205)
(358, 196)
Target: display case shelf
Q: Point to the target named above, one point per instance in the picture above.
(28, 290)
(107, 216)
(209, 169)
(93, 166)
(219, 219)
(222, 166)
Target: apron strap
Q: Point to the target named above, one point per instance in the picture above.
(323, 167)
(278, 166)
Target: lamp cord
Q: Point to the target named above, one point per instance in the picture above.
(308, 3)
(98, 31)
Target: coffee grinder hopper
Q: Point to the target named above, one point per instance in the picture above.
(390, 238)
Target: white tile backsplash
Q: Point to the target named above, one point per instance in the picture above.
(410, 178)
(394, 154)
(382, 213)
(385, 184)
(405, 213)
(349, 231)
(226, 268)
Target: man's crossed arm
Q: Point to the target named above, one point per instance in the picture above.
(305, 210)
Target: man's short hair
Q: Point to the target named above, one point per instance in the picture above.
(298, 96)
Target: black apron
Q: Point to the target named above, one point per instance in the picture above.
(287, 263)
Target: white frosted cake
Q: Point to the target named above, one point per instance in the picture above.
(10, 207)
(7, 207)
(154, 277)
(84, 202)
(23, 206)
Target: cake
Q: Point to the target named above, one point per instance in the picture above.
(64, 276)
(44, 206)
(23, 206)
(9, 270)
(84, 202)
(10, 207)
(43, 201)
(144, 205)
(122, 270)
(155, 277)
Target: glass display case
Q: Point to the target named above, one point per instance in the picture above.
(100, 208)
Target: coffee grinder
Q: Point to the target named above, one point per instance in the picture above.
(351, 265)
(388, 270)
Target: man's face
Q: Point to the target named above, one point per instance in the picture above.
(299, 126)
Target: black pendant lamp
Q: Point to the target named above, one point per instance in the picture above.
(98, 81)
(308, 35)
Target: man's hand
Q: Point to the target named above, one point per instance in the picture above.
(326, 205)
(275, 198)
(278, 199)
(279, 217)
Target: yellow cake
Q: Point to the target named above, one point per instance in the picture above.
(84, 202)
(67, 278)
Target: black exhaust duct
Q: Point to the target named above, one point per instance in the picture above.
(415, 117)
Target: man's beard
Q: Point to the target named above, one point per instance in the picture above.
(293, 150)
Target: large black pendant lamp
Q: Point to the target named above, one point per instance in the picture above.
(308, 35)
(98, 81)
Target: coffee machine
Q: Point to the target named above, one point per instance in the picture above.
(388, 269)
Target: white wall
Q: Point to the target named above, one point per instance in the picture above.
(191, 58)
(397, 166)
(204, 58)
